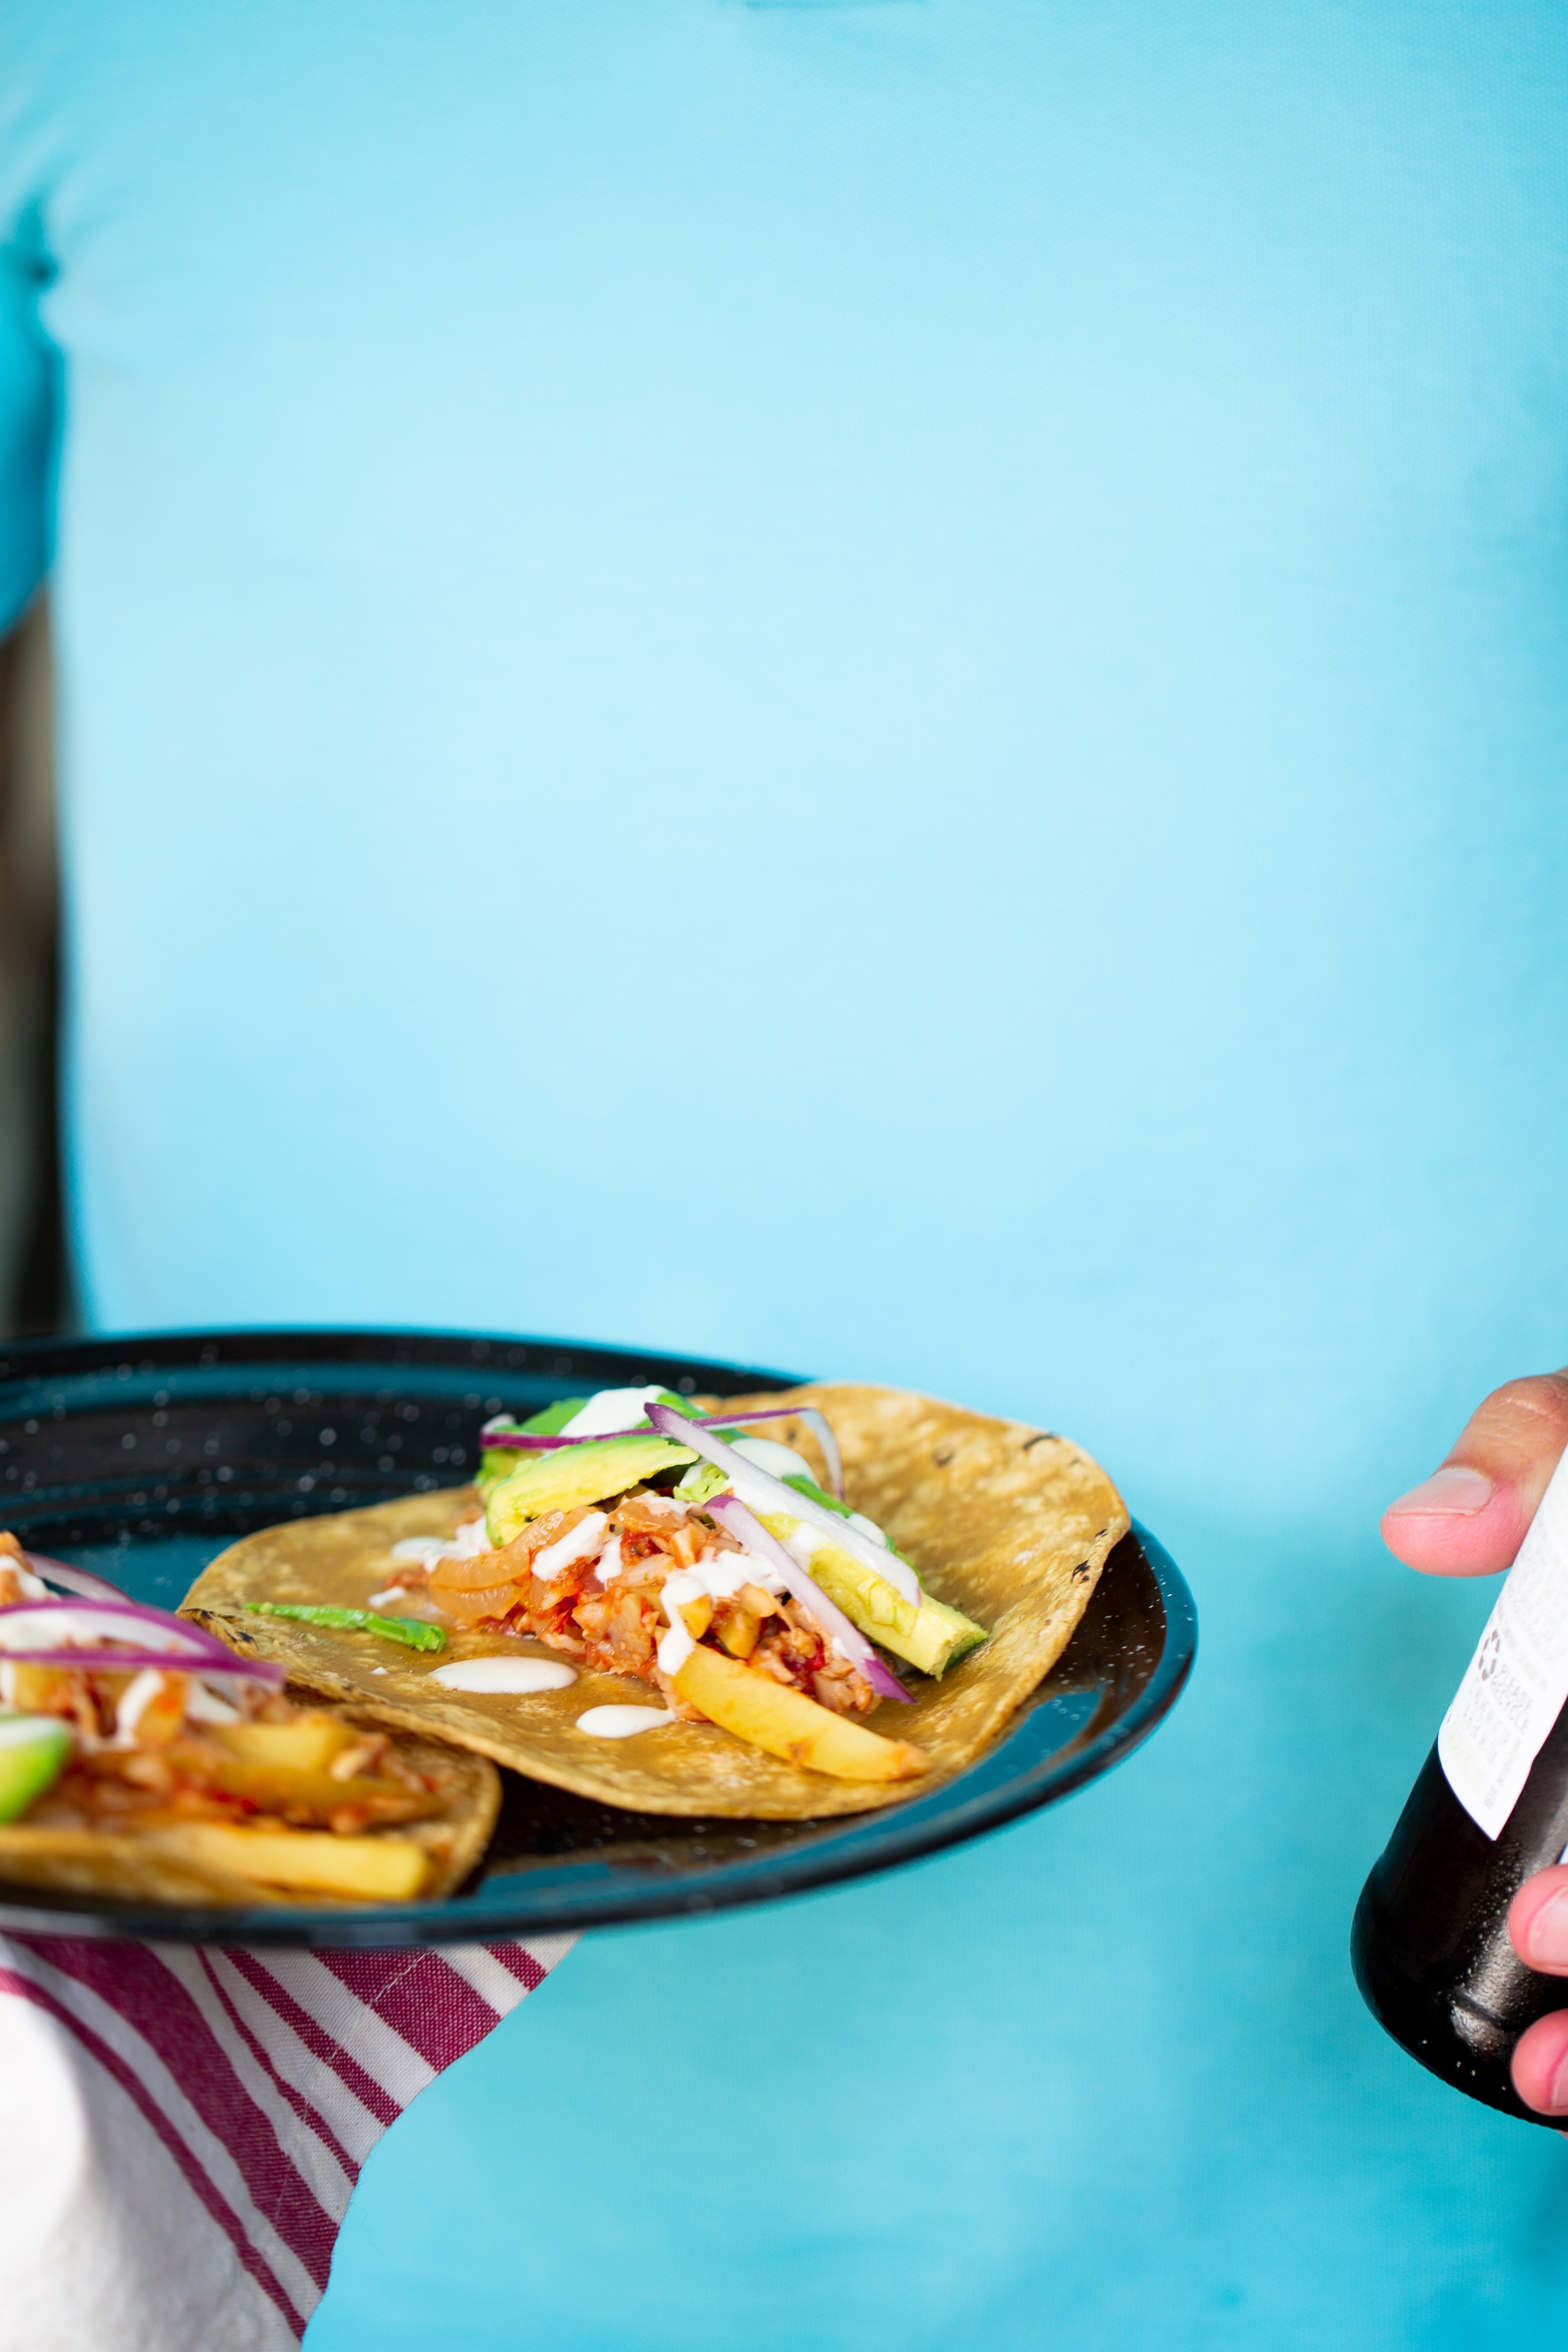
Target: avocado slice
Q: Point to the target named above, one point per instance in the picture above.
(837, 1503)
(930, 1638)
(867, 1599)
(554, 1417)
(941, 1635)
(576, 1474)
(34, 1752)
(499, 1461)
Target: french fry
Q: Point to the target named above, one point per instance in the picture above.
(391, 1870)
(787, 1725)
(310, 1797)
(308, 1744)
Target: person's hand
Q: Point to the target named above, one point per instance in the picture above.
(1469, 1518)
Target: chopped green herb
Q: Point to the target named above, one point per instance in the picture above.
(410, 1630)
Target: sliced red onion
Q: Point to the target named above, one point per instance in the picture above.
(31, 1628)
(532, 1441)
(763, 1491)
(31, 1624)
(162, 1661)
(72, 1579)
(524, 1441)
(818, 1424)
(732, 1513)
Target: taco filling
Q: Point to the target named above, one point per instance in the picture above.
(704, 1562)
(652, 1601)
(124, 1732)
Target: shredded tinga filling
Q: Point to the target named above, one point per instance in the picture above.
(630, 1588)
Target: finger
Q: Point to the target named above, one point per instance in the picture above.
(1469, 1517)
(1538, 1922)
(1540, 2064)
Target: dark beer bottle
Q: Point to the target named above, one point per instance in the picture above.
(1430, 1945)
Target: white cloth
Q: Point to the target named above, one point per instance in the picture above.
(180, 2129)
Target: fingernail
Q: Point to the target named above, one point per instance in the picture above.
(1461, 1493)
(1549, 1947)
(1557, 2096)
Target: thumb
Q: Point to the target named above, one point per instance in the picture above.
(1469, 1518)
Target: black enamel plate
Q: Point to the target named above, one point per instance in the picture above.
(142, 1458)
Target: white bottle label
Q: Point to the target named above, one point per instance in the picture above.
(1515, 1685)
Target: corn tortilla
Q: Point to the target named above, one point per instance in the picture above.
(1010, 1524)
(139, 1867)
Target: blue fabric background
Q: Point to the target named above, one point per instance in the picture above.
(878, 688)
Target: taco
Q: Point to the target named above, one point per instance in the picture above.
(644, 1602)
(140, 1759)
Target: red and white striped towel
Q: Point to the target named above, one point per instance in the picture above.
(180, 2128)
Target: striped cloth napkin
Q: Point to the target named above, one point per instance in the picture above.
(180, 2128)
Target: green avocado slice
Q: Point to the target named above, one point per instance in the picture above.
(499, 1461)
(34, 1752)
(589, 1473)
(939, 1634)
(554, 1417)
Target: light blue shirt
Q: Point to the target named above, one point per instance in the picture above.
(882, 688)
